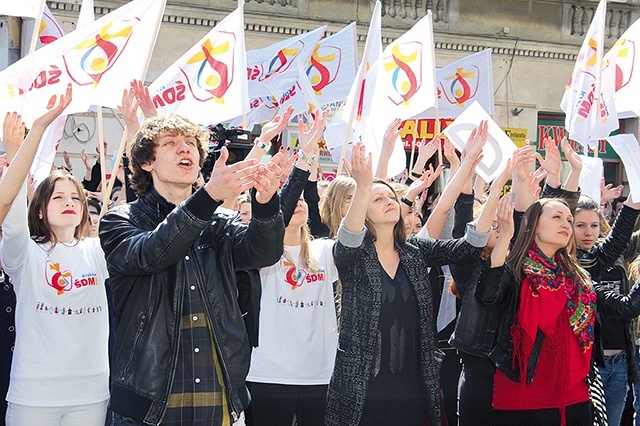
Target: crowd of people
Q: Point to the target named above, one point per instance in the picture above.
(267, 296)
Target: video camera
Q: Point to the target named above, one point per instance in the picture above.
(237, 141)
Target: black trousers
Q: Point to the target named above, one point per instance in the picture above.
(276, 405)
(475, 391)
(577, 415)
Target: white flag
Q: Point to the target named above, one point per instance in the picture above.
(50, 30)
(87, 14)
(626, 146)
(358, 102)
(496, 152)
(99, 60)
(404, 87)
(625, 57)
(588, 99)
(26, 8)
(279, 60)
(261, 110)
(208, 84)
(463, 82)
(332, 66)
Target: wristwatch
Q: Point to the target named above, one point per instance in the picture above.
(264, 146)
(308, 160)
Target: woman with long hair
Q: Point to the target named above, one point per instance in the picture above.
(335, 203)
(547, 320)
(292, 364)
(387, 364)
(604, 252)
(60, 368)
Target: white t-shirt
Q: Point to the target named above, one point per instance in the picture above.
(62, 320)
(298, 326)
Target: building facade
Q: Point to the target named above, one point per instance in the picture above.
(534, 44)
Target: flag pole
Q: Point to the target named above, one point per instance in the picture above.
(598, 85)
(36, 29)
(413, 146)
(114, 172)
(103, 167)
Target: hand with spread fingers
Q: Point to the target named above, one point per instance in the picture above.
(12, 134)
(551, 162)
(144, 98)
(229, 181)
(360, 167)
(276, 125)
(608, 192)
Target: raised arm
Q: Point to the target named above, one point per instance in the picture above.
(572, 183)
(132, 250)
(489, 210)
(388, 143)
(20, 154)
(262, 144)
(473, 154)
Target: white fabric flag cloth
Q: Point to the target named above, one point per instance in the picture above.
(99, 60)
(447, 310)
(405, 87)
(590, 176)
(625, 58)
(463, 82)
(358, 102)
(26, 8)
(332, 66)
(208, 83)
(588, 100)
(498, 149)
(261, 110)
(629, 152)
(50, 30)
(87, 14)
(279, 59)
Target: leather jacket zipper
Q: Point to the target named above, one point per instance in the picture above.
(141, 325)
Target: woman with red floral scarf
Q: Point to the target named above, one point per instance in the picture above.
(548, 322)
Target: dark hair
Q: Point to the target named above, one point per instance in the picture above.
(525, 240)
(39, 228)
(143, 150)
(399, 232)
(92, 202)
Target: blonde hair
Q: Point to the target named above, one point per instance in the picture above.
(307, 259)
(331, 203)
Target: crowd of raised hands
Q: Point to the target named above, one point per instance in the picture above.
(363, 210)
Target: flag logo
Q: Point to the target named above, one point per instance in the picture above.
(324, 67)
(213, 73)
(282, 60)
(460, 87)
(625, 51)
(405, 68)
(100, 53)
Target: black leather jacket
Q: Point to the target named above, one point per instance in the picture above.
(499, 289)
(149, 245)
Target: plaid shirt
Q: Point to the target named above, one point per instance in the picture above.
(198, 395)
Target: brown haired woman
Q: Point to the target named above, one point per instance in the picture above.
(60, 369)
(387, 365)
(548, 323)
